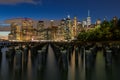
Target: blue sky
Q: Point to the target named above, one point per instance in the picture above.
(58, 9)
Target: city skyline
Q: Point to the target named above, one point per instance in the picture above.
(54, 9)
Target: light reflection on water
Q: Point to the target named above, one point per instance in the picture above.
(71, 69)
(51, 71)
(29, 67)
(4, 66)
(100, 67)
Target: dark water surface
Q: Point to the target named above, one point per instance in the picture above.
(80, 70)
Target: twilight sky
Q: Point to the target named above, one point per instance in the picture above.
(58, 9)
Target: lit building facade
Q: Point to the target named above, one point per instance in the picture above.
(66, 29)
(88, 19)
(15, 32)
(74, 28)
(21, 31)
(40, 32)
(27, 29)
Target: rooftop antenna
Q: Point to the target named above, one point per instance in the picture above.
(88, 13)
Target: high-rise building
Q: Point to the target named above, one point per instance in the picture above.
(27, 29)
(15, 31)
(68, 28)
(84, 23)
(40, 30)
(12, 35)
(40, 25)
(62, 29)
(51, 23)
(74, 27)
(88, 19)
(79, 27)
(98, 23)
(63, 25)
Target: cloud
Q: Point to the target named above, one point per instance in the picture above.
(19, 1)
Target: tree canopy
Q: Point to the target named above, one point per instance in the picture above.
(108, 31)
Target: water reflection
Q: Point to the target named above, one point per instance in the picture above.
(51, 70)
(59, 62)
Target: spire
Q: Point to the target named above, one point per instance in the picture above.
(88, 13)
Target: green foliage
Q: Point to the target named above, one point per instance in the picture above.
(118, 23)
(107, 31)
(105, 24)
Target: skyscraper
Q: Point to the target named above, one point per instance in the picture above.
(40, 30)
(74, 28)
(88, 19)
(68, 28)
(15, 31)
(27, 29)
(40, 25)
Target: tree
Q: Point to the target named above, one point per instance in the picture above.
(118, 23)
(105, 24)
(113, 22)
(109, 30)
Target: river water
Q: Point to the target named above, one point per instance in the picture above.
(51, 71)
